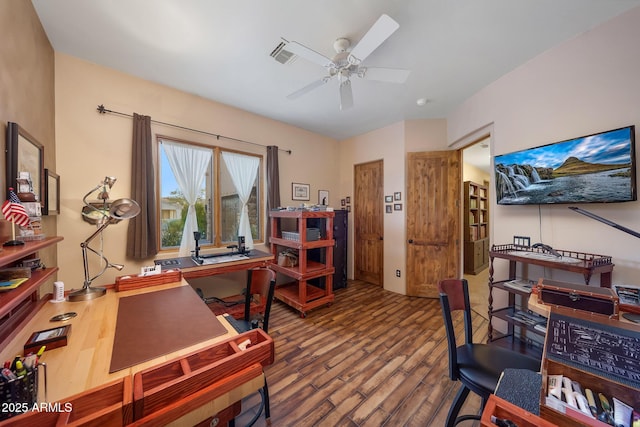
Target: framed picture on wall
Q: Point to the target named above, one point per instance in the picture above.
(323, 197)
(299, 191)
(51, 193)
(25, 157)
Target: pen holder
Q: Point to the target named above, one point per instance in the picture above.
(19, 395)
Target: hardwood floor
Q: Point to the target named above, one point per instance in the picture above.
(373, 358)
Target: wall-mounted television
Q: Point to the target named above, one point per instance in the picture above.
(598, 168)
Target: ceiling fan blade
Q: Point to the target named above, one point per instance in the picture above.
(391, 75)
(346, 95)
(308, 88)
(377, 34)
(308, 54)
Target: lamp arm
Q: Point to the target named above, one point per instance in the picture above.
(85, 245)
(93, 236)
(104, 268)
(89, 205)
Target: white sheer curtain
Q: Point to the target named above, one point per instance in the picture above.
(189, 165)
(243, 171)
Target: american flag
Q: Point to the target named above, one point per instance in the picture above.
(13, 210)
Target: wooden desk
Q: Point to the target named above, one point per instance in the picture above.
(84, 363)
(192, 270)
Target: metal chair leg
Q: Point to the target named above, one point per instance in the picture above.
(458, 401)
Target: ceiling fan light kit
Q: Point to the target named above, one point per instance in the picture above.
(347, 63)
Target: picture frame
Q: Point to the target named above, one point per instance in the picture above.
(388, 208)
(348, 208)
(51, 338)
(342, 202)
(397, 196)
(348, 199)
(388, 199)
(299, 191)
(24, 154)
(323, 197)
(397, 206)
(51, 193)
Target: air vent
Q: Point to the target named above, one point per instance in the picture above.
(281, 55)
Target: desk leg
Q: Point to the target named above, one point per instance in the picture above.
(247, 298)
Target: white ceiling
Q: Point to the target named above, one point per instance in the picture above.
(220, 49)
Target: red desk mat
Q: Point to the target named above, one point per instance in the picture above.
(156, 323)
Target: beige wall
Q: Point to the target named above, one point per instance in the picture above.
(91, 146)
(391, 144)
(27, 96)
(586, 85)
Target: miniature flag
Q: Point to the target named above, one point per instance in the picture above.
(13, 210)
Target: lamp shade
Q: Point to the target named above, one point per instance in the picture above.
(123, 209)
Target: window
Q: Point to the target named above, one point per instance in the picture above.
(216, 181)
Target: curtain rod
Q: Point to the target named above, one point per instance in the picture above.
(102, 110)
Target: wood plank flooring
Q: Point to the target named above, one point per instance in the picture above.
(373, 358)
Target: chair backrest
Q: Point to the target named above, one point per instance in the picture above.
(263, 283)
(454, 296)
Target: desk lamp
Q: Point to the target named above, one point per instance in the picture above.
(118, 210)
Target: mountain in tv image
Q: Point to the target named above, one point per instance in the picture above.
(595, 168)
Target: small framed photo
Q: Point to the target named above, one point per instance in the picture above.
(348, 208)
(323, 197)
(51, 193)
(388, 208)
(388, 199)
(342, 202)
(51, 338)
(397, 206)
(348, 199)
(397, 196)
(299, 191)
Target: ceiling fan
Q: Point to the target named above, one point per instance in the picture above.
(348, 62)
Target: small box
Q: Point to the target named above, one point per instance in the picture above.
(597, 353)
(592, 299)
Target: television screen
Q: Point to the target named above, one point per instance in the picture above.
(598, 168)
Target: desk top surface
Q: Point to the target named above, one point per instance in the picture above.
(84, 362)
(186, 264)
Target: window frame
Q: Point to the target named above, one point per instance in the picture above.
(217, 208)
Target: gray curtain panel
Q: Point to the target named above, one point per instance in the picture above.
(273, 186)
(142, 238)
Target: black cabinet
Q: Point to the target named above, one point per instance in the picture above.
(340, 233)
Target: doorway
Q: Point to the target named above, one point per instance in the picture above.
(368, 222)
(476, 174)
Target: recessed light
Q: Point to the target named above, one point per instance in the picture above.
(422, 101)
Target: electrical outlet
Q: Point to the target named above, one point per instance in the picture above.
(397, 273)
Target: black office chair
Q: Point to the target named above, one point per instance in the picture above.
(477, 366)
(263, 282)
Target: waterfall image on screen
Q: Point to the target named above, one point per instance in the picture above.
(598, 168)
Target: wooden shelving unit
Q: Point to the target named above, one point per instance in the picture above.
(476, 227)
(299, 294)
(521, 336)
(20, 304)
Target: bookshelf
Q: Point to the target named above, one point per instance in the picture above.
(476, 227)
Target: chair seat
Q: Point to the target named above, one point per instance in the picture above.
(480, 365)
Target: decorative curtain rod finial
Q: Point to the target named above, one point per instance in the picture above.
(101, 109)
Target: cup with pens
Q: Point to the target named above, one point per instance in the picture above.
(19, 383)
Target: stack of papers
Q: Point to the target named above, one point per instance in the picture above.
(522, 285)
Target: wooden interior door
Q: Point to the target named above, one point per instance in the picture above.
(368, 222)
(433, 220)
